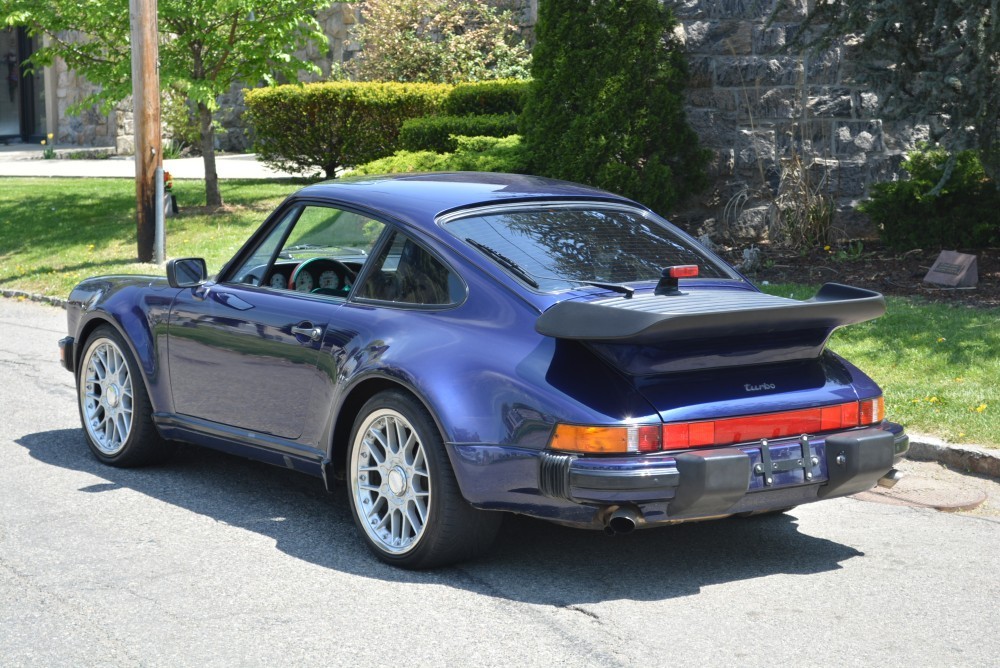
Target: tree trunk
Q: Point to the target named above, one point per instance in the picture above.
(212, 195)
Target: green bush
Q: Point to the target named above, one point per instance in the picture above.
(502, 96)
(963, 215)
(333, 125)
(606, 104)
(437, 133)
(473, 154)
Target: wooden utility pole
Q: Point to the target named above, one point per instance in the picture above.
(145, 119)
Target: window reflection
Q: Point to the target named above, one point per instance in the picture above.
(560, 246)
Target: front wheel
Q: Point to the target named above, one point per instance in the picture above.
(114, 406)
(403, 493)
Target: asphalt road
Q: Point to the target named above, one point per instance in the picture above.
(216, 561)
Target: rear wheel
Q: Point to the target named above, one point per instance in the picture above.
(114, 406)
(403, 493)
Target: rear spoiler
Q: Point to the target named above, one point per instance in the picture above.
(708, 314)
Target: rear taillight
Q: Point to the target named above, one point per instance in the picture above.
(629, 438)
(872, 410)
(727, 431)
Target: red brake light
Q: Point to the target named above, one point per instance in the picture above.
(684, 271)
(682, 435)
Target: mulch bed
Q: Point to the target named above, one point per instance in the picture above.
(875, 268)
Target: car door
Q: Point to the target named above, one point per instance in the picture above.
(245, 352)
(247, 357)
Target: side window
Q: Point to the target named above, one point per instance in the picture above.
(253, 270)
(313, 249)
(406, 273)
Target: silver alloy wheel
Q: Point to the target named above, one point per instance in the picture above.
(106, 396)
(390, 481)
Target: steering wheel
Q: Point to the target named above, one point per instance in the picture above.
(313, 270)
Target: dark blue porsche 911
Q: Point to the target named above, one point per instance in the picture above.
(450, 346)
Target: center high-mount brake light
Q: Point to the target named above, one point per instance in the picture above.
(668, 278)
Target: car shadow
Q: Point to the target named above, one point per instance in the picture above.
(532, 561)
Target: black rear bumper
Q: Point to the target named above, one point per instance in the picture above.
(708, 483)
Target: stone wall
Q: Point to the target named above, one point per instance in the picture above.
(764, 112)
(84, 129)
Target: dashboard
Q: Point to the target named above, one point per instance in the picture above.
(318, 275)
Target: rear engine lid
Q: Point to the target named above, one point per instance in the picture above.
(709, 329)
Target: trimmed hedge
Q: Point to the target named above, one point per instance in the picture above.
(473, 154)
(501, 96)
(438, 133)
(333, 125)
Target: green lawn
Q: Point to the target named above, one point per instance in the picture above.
(939, 364)
(55, 232)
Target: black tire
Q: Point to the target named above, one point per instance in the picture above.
(413, 514)
(115, 412)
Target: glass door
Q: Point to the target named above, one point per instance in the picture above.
(22, 95)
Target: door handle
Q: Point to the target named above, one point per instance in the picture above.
(307, 330)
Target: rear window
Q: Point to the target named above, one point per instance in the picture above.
(559, 247)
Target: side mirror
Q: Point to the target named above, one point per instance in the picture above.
(186, 272)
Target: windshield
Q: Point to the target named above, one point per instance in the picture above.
(558, 247)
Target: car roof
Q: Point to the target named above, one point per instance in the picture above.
(420, 198)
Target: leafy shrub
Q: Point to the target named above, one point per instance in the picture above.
(181, 122)
(444, 41)
(473, 154)
(963, 215)
(504, 96)
(605, 106)
(437, 133)
(332, 125)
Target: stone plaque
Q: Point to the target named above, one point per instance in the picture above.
(954, 270)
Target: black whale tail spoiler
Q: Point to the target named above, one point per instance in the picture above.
(711, 328)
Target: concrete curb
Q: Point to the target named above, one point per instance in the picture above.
(19, 294)
(962, 458)
(923, 448)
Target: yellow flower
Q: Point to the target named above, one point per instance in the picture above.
(959, 379)
(961, 434)
(980, 408)
(933, 400)
(43, 142)
(941, 339)
(826, 248)
(51, 135)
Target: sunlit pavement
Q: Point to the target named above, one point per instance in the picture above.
(28, 160)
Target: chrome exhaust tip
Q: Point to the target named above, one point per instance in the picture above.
(622, 521)
(891, 478)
